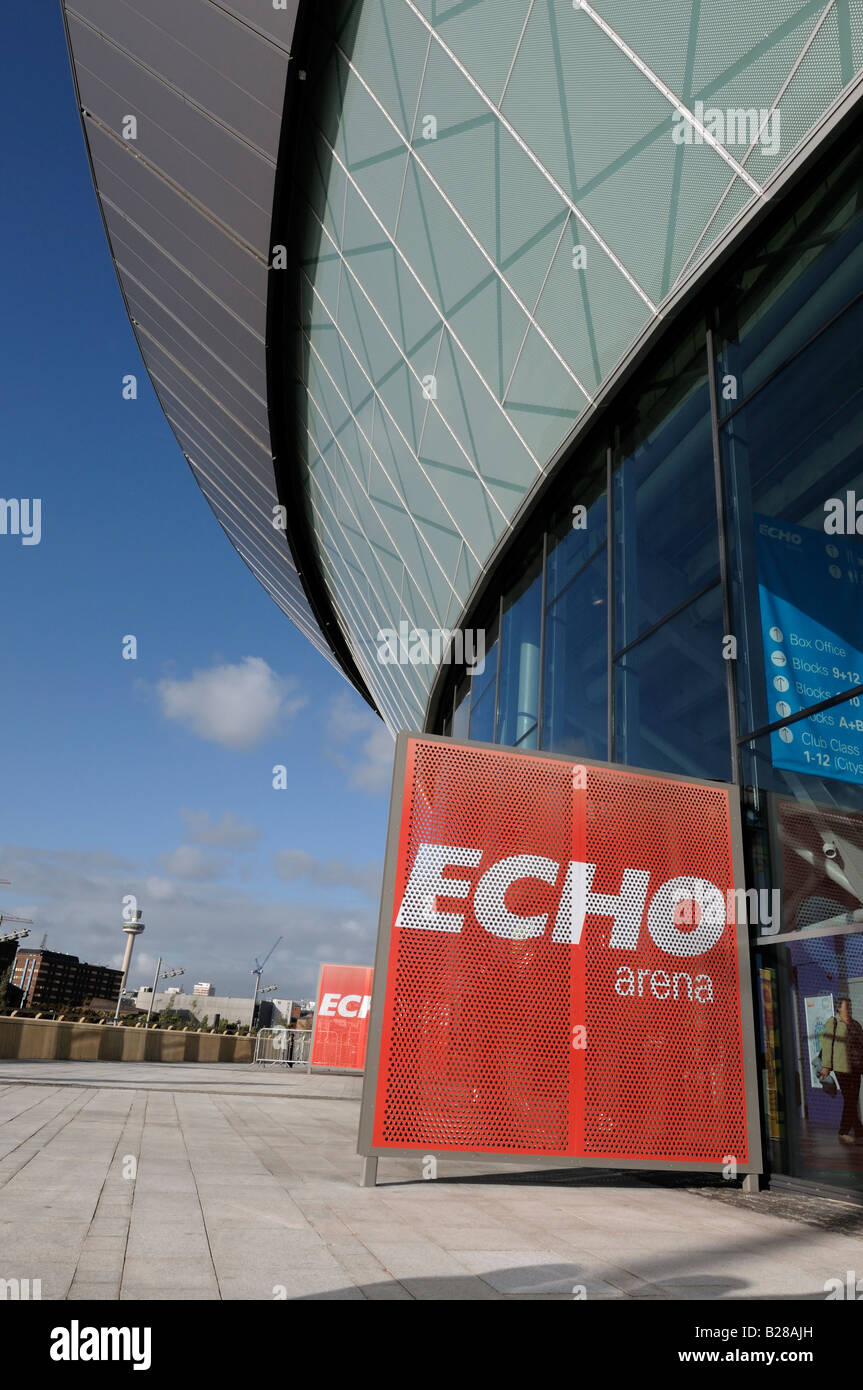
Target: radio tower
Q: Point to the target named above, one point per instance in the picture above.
(132, 929)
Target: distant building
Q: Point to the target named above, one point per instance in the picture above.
(217, 1008)
(285, 1012)
(203, 987)
(7, 956)
(53, 980)
(8, 950)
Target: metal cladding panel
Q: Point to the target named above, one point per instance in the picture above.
(504, 200)
(559, 969)
(166, 339)
(195, 240)
(341, 1030)
(182, 142)
(194, 47)
(276, 24)
(187, 206)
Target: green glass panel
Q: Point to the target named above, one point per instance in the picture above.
(413, 490)
(389, 51)
(483, 35)
(481, 426)
(436, 245)
(588, 308)
(490, 327)
(453, 137)
(543, 401)
(745, 49)
(467, 499)
(815, 85)
(364, 331)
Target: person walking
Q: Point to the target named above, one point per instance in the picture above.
(842, 1053)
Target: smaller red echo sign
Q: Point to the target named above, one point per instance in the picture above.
(342, 1017)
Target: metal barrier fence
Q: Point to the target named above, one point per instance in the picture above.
(287, 1047)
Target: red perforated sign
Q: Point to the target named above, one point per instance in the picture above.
(559, 963)
(342, 1017)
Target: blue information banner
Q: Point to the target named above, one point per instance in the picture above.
(807, 659)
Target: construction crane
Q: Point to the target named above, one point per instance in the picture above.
(258, 972)
(7, 917)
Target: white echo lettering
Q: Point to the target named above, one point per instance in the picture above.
(489, 898)
(578, 901)
(419, 904)
(347, 999)
(665, 931)
(333, 1004)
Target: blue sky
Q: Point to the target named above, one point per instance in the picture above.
(151, 777)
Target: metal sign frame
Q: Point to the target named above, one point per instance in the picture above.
(365, 1143)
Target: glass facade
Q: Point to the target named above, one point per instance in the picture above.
(491, 207)
(693, 602)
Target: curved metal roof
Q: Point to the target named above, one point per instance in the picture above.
(186, 193)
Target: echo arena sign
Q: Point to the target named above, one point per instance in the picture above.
(560, 973)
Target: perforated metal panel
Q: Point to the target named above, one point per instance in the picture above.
(559, 969)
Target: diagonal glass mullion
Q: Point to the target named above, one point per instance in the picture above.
(382, 403)
(346, 594)
(447, 426)
(533, 157)
(362, 568)
(573, 179)
(347, 459)
(478, 244)
(774, 104)
(677, 176)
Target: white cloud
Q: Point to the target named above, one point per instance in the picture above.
(188, 861)
(228, 831)
(236, 706)
(293, 864)
(360, 743)
(213, 931)
(159, 888)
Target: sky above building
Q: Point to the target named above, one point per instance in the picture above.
(150, 777)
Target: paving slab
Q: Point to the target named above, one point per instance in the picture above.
(245, 1185)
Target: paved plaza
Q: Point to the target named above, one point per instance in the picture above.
(149, 1181)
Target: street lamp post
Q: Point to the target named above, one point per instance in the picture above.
(166, 975)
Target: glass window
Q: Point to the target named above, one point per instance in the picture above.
(575, 677)
(575, 535)
(827, 776)
(809, 929)
(482, 643)
(666, 540)
(518, 702)
(461, 714)
(793, 460)
(482, 717)
(785, 292)
(670, 696)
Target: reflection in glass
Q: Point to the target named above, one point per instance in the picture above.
(671, 707)
(575, 683)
